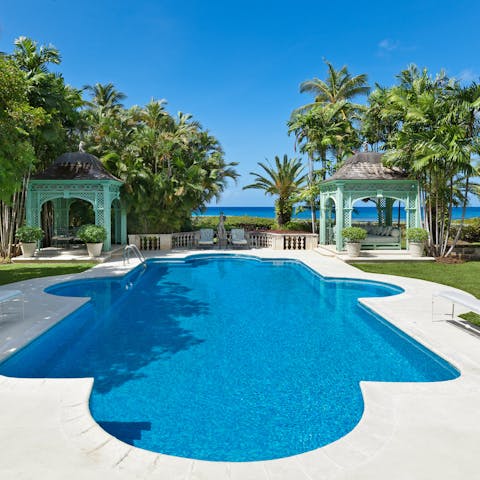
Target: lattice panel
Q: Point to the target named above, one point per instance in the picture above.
(381, 207)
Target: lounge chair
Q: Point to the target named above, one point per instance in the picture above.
(206, 237)
(238, 237)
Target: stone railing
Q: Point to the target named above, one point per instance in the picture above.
(152, 241)
(275, 241)
(185, 239)
(259, 240)
(293, 241)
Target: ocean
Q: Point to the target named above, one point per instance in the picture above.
(360, 214)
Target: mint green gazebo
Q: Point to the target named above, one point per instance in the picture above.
(363, 176)
(78, 175)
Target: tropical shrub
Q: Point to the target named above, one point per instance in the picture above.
(298, 226)
(417, 235)
(29, 234)
(284, 179)
(354, 234)
(246, 222)
(92, 234)
(470, 230)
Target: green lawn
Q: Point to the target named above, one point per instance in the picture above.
(15, 272)
(465, 276)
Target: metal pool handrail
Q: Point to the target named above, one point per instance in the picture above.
(132, 248)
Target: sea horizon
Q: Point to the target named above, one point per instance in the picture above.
(365, 214)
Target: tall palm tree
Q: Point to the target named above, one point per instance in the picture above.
(105, 97)
(284, 179)
(317, 131)
(436, 139)
(339, 86)
(33, 59)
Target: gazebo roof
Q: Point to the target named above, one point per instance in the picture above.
(366, 166)
(76, 166)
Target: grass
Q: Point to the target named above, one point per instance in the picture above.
(464, 276)
(471, 317)
(15, 272)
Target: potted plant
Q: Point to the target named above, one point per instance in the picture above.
(29, 236)
(416, 241)
(353, 238)
(93, 236)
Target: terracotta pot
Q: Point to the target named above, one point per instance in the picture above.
(28, 248)
(416, 249)
(353, 249)
(94, 249)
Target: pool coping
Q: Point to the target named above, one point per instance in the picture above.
(357, 453)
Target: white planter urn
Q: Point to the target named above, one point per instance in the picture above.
(28, 248)
(94, 249)
(353, 249)
(416, 249)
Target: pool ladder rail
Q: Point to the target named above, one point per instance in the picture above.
(136, 251)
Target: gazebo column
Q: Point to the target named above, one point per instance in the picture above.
(381, 209)
(32, 208)
(323, 221)
(347, 213)
(107, 217)
(103, 215)
(123, 225)
(117, 221)
(339, 217)
(418, 212)
(329, 226)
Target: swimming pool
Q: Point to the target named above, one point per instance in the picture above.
(228, 357)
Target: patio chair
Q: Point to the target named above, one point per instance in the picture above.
(206, 237)
(238, 237)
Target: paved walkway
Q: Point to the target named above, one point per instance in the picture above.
(411, 431)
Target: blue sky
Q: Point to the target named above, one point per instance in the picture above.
(237, 65)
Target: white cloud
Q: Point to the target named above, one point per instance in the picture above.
(387, 45)
(467, 75)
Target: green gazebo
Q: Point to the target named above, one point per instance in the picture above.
(364, 177)
(78, 175)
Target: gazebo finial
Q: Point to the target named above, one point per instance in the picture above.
(81, 146)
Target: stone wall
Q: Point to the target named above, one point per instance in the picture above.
(466, 252)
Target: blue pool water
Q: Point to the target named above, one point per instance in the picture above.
(226, 358)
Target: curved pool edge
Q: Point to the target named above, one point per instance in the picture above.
(370, 436)
(372, 433)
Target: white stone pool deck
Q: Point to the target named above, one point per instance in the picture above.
(408, 431)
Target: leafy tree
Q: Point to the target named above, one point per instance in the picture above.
(436, 140)
(339, 86)
(284, 179)
(48, 91)
(326, 129)
(378, 121)
(105, 97)
(18, 119)
(34, 59)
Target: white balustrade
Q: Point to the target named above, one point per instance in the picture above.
(185, 239)
(276, 241)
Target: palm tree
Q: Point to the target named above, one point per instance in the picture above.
(32, 59)
(105, 97)
(340, 86)
(377, 122)
(284, 179)
(435, 141)
(318, 131)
